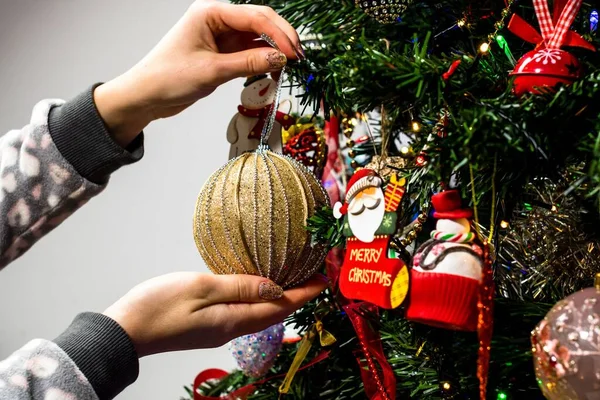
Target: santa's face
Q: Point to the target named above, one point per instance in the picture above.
(365, 213)
(259, 94)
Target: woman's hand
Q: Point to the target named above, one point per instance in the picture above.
(189, 310)
(213, 43)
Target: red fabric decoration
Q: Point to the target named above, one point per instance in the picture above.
(443, 300)
(447, 204)
(334, 164)
(368, 274)
(370, 342)
(262, 113)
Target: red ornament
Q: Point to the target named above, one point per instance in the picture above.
(309, 148)
(545, 68)
(548, 65)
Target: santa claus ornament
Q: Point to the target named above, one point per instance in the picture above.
(447, 269)
(246, 126)
(369, 213)
(548, 65)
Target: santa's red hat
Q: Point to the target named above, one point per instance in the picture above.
(447, 205)
(362, 179)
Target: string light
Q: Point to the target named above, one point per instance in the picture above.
(504, 224)
(554, 208)
(484, 48)
(461, 22)
(446, 385)
(416, 126)
(502, 396)
(593, 21)
(404, 150)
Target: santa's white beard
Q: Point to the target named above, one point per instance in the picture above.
(365, 224)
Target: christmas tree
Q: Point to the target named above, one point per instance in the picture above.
(497, 100)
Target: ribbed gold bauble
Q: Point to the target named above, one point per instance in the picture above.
(251, 215)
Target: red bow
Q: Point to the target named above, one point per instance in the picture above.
(262, 113)
(554, 30)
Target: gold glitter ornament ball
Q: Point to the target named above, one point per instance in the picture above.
(251, 215)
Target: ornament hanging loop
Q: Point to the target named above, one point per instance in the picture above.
(554, 34)
(268, 127)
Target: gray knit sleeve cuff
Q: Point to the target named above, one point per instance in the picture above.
(81, 136)
(102, 351)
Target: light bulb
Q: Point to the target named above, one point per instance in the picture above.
(484, 48)
(416, 126)
(504, 224)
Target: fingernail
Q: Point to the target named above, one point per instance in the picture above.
(269, 291)
(276, 60)
(301, 51)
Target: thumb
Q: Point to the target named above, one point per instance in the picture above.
(242, 289)
(249, 62)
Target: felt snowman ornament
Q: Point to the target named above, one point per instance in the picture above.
(368, 273)
(247, 125)
(447, 269)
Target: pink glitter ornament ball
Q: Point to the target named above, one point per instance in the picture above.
(255, 354)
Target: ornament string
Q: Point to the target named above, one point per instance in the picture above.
(268, 127)
(554, 34)
(325, 339)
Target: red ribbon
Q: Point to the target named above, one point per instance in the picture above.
(375, 388)
(244, 392)
(284, 119)
(528, 33)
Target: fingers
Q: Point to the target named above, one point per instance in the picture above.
(259, 316)
(259, 20)
(248, 62)
(240, 289)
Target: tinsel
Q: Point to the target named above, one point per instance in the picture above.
(549, 246)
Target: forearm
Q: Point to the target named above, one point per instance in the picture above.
(93, 359)
(53, 166)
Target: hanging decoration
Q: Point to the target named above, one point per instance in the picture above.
(377, 387)
(307, 145)
(384, 11)
(334, 173)
(369, 221)
(316, 330)
(566, 347)
(255, 354)
(244, 130)
(446, 269)
(251, 214)
(548, 65)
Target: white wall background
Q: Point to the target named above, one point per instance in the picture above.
(141, 226)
